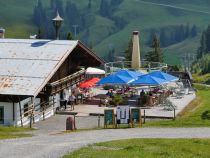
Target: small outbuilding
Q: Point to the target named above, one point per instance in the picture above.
(35, 74)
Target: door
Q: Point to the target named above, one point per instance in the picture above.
(1, 115)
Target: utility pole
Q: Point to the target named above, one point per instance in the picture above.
(187, 60)
(75, 30)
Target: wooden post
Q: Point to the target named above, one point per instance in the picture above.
(174, 114)
(31, 112)
(144, 116)
(75, 121)
(53, 105)
(140, 117)
(43, 111)
(98, 120)
(21, 119)
(13, 111)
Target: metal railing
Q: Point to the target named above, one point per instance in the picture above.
(145, 66)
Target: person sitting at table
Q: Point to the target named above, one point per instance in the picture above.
(110, 93)
(142, 93)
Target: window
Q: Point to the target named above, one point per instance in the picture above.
(25, 110)
(1, 115)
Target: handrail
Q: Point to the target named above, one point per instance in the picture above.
(146, 65)
(76, 74)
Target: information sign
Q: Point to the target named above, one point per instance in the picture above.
(109, 118)
(136, 116)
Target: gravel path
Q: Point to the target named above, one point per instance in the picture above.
(53, 146)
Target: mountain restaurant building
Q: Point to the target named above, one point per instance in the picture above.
(34, 74)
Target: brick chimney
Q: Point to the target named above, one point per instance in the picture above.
(136, 60)
(2, 32)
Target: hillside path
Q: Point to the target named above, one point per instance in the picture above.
(56, 145)
(173, 6)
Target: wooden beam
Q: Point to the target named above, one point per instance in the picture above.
(13, 110)
(21, 118)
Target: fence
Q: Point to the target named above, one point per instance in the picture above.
(145, 66)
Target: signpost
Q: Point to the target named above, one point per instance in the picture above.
(136, 117)
(109, 118)
(123, 115)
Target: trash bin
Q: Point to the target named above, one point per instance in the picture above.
(70, 124)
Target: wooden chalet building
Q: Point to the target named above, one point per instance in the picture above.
(34, 73)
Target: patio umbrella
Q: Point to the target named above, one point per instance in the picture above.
(148, 80)
(86, 85)
(89, 83)
(130, 74)
(164, 76)
(94, 80)
(115, 79)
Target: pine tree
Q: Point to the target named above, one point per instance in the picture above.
(89, 4)
(163, 38)
(105, 8)
(128, 51)
(204, 43)
(202, 49)
(193, 32)
(69, 36)
(39, 15)
(72, 14)
(208, 39)
(155, 55)
(39, 34)
(116, 2)
(187, 30)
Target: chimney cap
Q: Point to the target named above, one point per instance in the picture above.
(57, 18)
(135, 32)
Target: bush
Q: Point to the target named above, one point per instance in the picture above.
(117, 99)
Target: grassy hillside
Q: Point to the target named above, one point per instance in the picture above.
(16, 17)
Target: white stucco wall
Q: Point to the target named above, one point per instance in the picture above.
(25, 120)
(8, 113)
(8, 110)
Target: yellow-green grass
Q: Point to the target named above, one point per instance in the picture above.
(13, 132)
(201, 78)
(194, 115)
(146, 148)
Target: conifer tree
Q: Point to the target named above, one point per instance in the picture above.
(128, 53)
(89, 4)
(69, 36)
(155, 55)
(105, 8)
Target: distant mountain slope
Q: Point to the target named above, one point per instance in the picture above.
(105, 34)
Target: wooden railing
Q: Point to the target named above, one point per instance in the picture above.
(32, 111)
(66, 82)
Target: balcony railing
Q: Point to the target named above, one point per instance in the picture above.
(66, 82)
(145, 66)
